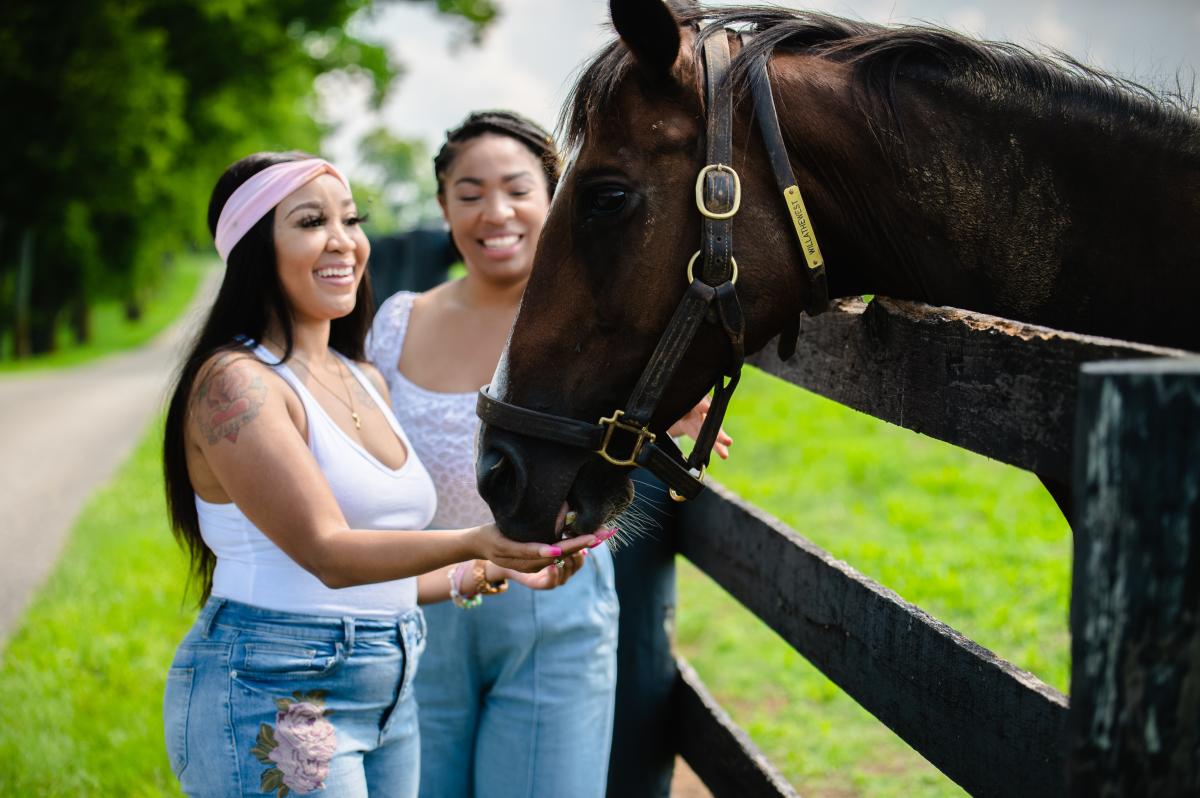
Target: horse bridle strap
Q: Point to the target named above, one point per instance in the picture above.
(711, 297)
(781, 166)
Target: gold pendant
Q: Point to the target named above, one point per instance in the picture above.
(357, 424)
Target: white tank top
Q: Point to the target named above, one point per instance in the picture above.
(253, 570)
(442, 426)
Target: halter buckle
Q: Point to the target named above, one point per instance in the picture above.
(614, 423)
(675, 497)
(737, 192)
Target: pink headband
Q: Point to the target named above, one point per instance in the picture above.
(257, 196)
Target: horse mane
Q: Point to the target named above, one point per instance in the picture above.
(879, 55)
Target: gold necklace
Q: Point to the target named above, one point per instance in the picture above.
(331, 392)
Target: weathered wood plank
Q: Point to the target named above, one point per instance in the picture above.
(720, 753)
(1135, 605)
(991, 727)
(997, 387)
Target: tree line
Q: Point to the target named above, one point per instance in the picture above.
(120, 115)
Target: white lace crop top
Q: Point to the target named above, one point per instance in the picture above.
(253, 570)
(442, 426)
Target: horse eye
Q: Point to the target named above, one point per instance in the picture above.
(607, 199)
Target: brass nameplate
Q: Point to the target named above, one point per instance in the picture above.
(804, 231)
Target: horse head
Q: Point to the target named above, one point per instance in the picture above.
(934, 167)
(611, 269)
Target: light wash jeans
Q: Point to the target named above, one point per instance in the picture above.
(516, 695)
(258, 700)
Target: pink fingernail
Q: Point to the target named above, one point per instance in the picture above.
(551, 551)
(584, 552)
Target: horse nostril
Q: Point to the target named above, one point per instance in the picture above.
(500, 479)
(487, 469)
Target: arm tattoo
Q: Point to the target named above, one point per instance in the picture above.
(227, 401)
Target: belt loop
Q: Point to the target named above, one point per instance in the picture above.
(208, 616)
(348, 631)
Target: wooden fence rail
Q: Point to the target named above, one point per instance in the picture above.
(999, 388)
(1012, 392)
(720, 753)
(992, 728)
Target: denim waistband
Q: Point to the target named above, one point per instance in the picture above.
(221, 612)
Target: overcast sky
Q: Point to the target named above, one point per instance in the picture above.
(530, 55)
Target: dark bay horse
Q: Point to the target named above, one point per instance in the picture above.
(934, 167)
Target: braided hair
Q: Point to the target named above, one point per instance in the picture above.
(502, 123)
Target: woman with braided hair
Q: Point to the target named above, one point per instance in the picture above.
(516, 695)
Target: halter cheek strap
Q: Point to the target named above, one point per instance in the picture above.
(254, 199)
(624, 438)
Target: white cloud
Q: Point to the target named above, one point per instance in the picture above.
(525, 64)
(968, 19)
(1049, 29)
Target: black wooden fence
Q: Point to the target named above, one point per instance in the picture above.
(1112, 427)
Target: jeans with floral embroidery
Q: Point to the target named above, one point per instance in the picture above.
(266, 702)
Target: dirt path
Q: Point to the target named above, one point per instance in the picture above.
(62, 433)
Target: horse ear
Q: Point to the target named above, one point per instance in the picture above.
(650, 31)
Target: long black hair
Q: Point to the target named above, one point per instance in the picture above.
(250, 297)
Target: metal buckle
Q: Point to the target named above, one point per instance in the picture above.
(691, 263)
(614, 423)
(699, 478)
(737, 192)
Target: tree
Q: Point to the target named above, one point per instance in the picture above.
(402, 193)
(122, 113)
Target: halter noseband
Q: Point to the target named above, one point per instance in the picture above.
(710, 297)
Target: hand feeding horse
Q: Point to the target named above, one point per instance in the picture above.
(915, 163)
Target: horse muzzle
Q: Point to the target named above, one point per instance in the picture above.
(540, 491)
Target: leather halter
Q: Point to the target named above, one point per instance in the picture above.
(710, 298)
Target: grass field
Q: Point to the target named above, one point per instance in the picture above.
(111, 332)
(82, 679)
(977, 544)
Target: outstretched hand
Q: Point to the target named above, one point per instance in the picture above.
(526, 558)
(551, 576)
(690, 425)
(555, 575)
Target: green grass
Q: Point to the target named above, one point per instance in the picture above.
(111, 332)
(976, 543)
(82, 679)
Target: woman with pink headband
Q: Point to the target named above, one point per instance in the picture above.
(302, 505)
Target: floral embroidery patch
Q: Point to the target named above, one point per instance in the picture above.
(298, 748)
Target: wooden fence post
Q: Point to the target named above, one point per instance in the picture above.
(643, 752)
(1134, 727)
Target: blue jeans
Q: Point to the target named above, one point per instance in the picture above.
(516, 695)
(258, 700)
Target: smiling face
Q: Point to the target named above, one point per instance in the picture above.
(495, 198)
(321, 251)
